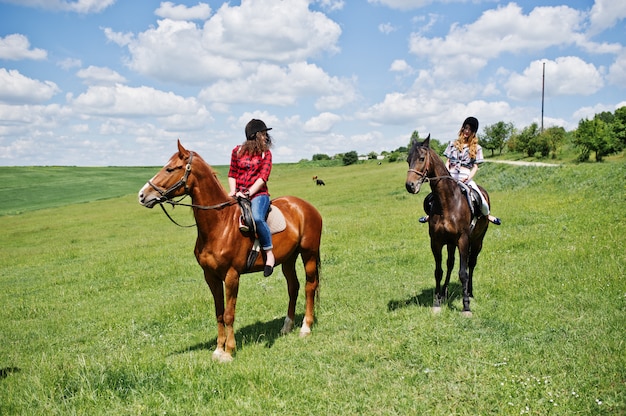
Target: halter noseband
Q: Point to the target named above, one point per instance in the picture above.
(423, 175)
(166, 193)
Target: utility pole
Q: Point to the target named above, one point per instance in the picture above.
(543, 87)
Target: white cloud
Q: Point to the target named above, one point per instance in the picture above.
(605, 14)
(17, 120)
(230, 43)
(567, 75)
(17, 89)
(396, 108)
(172, 11)
(467, 49)
(129, 102)
(400, 65)
(617, 70)
(331, 5)
(70, 63)
(16, 47)
(589, 112)
(282, 86)
(322, 123)
(100, 75)
(79, 6)
(121, 39)
(386, 28)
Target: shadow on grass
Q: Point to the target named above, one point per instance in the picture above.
(4, 372)
(258, 333)
(425, 299)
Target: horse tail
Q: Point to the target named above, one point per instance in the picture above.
(318, 263)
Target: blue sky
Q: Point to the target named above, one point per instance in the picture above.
(117, 82)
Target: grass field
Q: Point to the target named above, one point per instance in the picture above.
(105, 311)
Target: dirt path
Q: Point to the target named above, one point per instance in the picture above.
(522, 163)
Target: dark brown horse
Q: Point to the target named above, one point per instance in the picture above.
(222, 250)
(449, 222)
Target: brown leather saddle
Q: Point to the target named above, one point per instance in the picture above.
(275, 220)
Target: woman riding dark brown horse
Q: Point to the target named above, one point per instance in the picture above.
(450, 221)
(222, 250)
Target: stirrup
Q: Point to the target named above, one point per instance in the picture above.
(242, 226)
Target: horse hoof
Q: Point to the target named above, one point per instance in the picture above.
(436, 309)
(221, 356)
(287, 326)
(467, 314)
(305, 332)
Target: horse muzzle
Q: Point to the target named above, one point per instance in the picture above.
(147, 197)
(413, 187)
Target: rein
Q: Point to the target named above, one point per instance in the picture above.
(424, 175)
(424, 178)
(166, 195)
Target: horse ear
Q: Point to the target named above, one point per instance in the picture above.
(426, 142)
(181, 150)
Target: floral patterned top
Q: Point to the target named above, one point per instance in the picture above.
(462, 159)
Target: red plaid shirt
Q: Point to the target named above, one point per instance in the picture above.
(246, 169)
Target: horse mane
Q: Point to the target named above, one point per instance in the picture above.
(212, 173)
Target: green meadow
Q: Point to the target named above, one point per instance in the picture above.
(104, 310)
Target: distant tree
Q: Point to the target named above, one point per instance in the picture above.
(372, 155)
(321, 156)
(595, 136)
(437, 146)
(392, 157)
(554, 136)
(619, 126)
(539, 144)
(496, 136)
(350, 158)
(401, 149)
(525, 140)
(605, 116)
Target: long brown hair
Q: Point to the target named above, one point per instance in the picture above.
(256, 146)
(472, 143)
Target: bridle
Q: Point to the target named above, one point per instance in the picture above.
(166, 195)
(423, 176)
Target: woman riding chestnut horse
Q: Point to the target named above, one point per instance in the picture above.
(222, 249)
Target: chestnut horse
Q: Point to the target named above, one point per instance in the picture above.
(450, 220)
(222, 250)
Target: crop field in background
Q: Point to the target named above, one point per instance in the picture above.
(105, 311)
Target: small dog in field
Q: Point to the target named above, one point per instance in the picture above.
(318, 182)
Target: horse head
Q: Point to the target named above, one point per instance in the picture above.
(419, 165)
(170, 182)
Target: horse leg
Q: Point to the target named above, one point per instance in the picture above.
(293, 287)
(436, 249)
(463, 275)
(449, 267)
(471, 264)
(217, 289)
(312, 263)
(475, 247)
(231, 284)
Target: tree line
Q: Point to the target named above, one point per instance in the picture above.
(602, 135)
